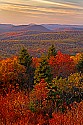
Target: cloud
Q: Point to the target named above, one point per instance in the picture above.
(43, 3)
(49, 9)
(26, 8)
(59, 4)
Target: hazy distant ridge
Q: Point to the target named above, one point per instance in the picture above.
(41, 28)
(11, 28)
(59, 27)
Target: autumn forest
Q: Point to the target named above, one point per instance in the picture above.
(41, 62)
(45, 90)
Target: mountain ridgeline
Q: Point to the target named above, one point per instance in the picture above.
(30, 27)
(42, 27)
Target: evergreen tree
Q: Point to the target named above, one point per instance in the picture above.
(80, 64)
(52, 51)
(43, 71)
(26, 60)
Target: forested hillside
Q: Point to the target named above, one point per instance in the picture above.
(70, 42)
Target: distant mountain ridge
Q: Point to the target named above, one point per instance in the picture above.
(56, 27)
(40, 28)
(30, 27)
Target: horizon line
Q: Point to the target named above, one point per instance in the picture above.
(38, 24)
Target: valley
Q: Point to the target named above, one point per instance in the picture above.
(37, 42)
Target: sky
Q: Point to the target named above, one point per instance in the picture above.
(41, 11)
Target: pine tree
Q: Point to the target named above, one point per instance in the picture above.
(79, 66)
(26, 60)
(52, 51)
(43, 71)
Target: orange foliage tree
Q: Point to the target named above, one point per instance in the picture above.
(76, 58)
(11, 72)
(38, 95)
(61, 65)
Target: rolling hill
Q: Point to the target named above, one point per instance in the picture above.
(38, 38)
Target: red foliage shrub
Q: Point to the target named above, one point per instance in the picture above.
(38, 95)
(13, 106)
(40, 90)
(71, 117)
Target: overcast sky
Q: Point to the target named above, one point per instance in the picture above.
(41, 11)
